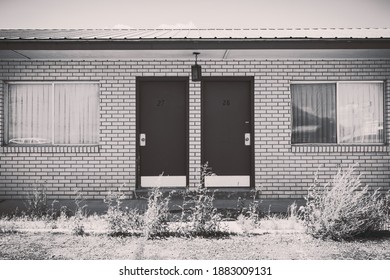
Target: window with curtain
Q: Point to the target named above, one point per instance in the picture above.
(343, 112)
(361, 112)
(314, 113)
(53, 113)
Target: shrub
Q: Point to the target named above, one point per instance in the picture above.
(60, 220)
(342, 208)
(157, 214)
(79, 215)
(386, 203)
(36, 201)
(249, 216)
(200, 217)
(203, 218)
(121, 220)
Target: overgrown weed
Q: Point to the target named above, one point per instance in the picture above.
(36, 201)
(343, 208)
(199, 216)
(156, 217)
(121, 220)
(249, 216)
(79, 215)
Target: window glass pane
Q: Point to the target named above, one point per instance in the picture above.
(76, 114)
(360, 112)
(314, 113)
(29, 114)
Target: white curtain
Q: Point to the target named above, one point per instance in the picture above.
(75, 119)
(360, 112)
(76, 115)
(30, 115)
(314, 113)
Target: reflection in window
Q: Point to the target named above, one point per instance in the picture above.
(360, 112)
(344, 112)
(314, 115)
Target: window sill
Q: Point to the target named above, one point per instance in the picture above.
(50, 149)
(339, 148)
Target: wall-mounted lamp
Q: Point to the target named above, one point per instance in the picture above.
(196, 70)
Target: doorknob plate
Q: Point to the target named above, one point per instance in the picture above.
(247, 138)
(142, 139)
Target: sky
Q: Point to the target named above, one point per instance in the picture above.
(194, 13)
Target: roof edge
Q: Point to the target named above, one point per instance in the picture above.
(177, 44)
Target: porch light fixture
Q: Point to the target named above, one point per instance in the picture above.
(196, 70)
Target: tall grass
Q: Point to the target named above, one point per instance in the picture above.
(199, 216)
(121, 220)
(79, 214)
(36, 201)
(156, 216)
(249, 216)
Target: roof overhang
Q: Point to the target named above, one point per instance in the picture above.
(190, 44)
(205, 54)
(179, 44)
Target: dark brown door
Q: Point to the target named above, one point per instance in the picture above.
(227, 139)
(162, 129)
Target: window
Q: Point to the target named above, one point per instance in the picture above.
(52, 114)
(343, 112)
(314, 113)
(360, 112)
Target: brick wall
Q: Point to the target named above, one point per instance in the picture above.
(282, 170)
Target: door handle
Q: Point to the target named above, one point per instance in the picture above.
(142, 139)
(247, 139)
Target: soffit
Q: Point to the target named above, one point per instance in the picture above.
(221, 54)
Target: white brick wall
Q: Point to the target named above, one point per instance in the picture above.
(282, 170)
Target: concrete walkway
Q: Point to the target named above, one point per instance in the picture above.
(232, 227)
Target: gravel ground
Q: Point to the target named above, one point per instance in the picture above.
(272, 246)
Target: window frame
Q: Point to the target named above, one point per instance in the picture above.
(5, 134)
(337, 83)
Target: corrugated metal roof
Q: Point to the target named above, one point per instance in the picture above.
(136, 34)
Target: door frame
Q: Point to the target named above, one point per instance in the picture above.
(143, 79)
(249, 79)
